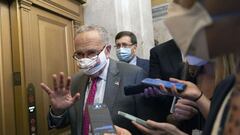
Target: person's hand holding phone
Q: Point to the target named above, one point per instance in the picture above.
(60, 96)
(159, 128)
(191, 92)
(121, 131)
(185, 109)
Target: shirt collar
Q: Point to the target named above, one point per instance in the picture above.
(133, 61)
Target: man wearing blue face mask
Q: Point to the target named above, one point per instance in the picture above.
(100, 80)
(126, 46)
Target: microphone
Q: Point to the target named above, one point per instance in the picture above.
(135, 89)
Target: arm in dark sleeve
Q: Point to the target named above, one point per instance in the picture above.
(58, 121)
(154, 66)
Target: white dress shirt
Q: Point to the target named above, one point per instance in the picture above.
(101, 84)
(133, 61)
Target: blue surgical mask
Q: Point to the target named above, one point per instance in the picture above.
(124, 54)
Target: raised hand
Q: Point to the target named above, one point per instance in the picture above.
(60, 96)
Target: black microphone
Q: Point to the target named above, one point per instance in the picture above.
(135, 89)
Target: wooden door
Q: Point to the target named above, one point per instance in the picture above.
(49, 51)
(7, 113)
(45, 48)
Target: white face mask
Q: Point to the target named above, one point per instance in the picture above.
(86, 63)
(91, 66)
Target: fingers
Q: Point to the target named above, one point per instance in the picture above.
(172, 91)
(61, 80)
(76, 97)
(176, 80)
(155, 125)
(187, 102)
(55, 85)
(121, 131)
(68, 83)
(185, 108)
(184, 111)
(142, 128)
(46, 88)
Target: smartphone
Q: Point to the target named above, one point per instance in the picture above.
(133, 118)
(156, 82)
(100, 119)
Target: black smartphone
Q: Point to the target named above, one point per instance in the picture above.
(100, 120)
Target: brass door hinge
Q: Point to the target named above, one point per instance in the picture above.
(16, 78)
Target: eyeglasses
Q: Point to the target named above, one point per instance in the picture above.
(77, 55)
(124, 45)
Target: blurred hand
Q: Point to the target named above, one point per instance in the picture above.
(122, 131)
(60, 96)
(153, 92)
(185, 109)
(191, 92)
(159, 128)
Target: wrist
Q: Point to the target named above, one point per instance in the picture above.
(56, 112)
(197, 97)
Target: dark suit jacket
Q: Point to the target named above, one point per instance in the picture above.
(165, 61)
(143, 63)
(119, 75)
(219, 95)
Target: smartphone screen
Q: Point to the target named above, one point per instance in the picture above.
(100, 119)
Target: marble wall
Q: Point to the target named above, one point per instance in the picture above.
(118, 15)
(161, 33)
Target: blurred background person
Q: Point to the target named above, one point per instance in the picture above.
(126, 48)
(223, 90)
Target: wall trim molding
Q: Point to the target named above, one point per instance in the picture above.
(25, 4)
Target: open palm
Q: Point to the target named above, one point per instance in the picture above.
(60, 96)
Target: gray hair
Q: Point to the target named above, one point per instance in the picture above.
(101, 30)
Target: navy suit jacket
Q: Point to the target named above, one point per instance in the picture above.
(143, 63)
(165, 61)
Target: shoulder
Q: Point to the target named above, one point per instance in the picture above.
(128, 67)
(142, 60)
(166, 45)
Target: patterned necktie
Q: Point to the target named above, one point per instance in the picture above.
(90, 100)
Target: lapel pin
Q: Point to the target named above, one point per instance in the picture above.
(117, 83)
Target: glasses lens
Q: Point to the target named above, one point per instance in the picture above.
(124, 45)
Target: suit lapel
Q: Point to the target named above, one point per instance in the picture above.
(175, 56)
(138, 63)
(82, 82)
(112, 84)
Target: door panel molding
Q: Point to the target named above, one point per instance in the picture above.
(7, 117)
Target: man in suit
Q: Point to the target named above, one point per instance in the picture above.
(101, 81)
(165, 61)
(126, 47)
